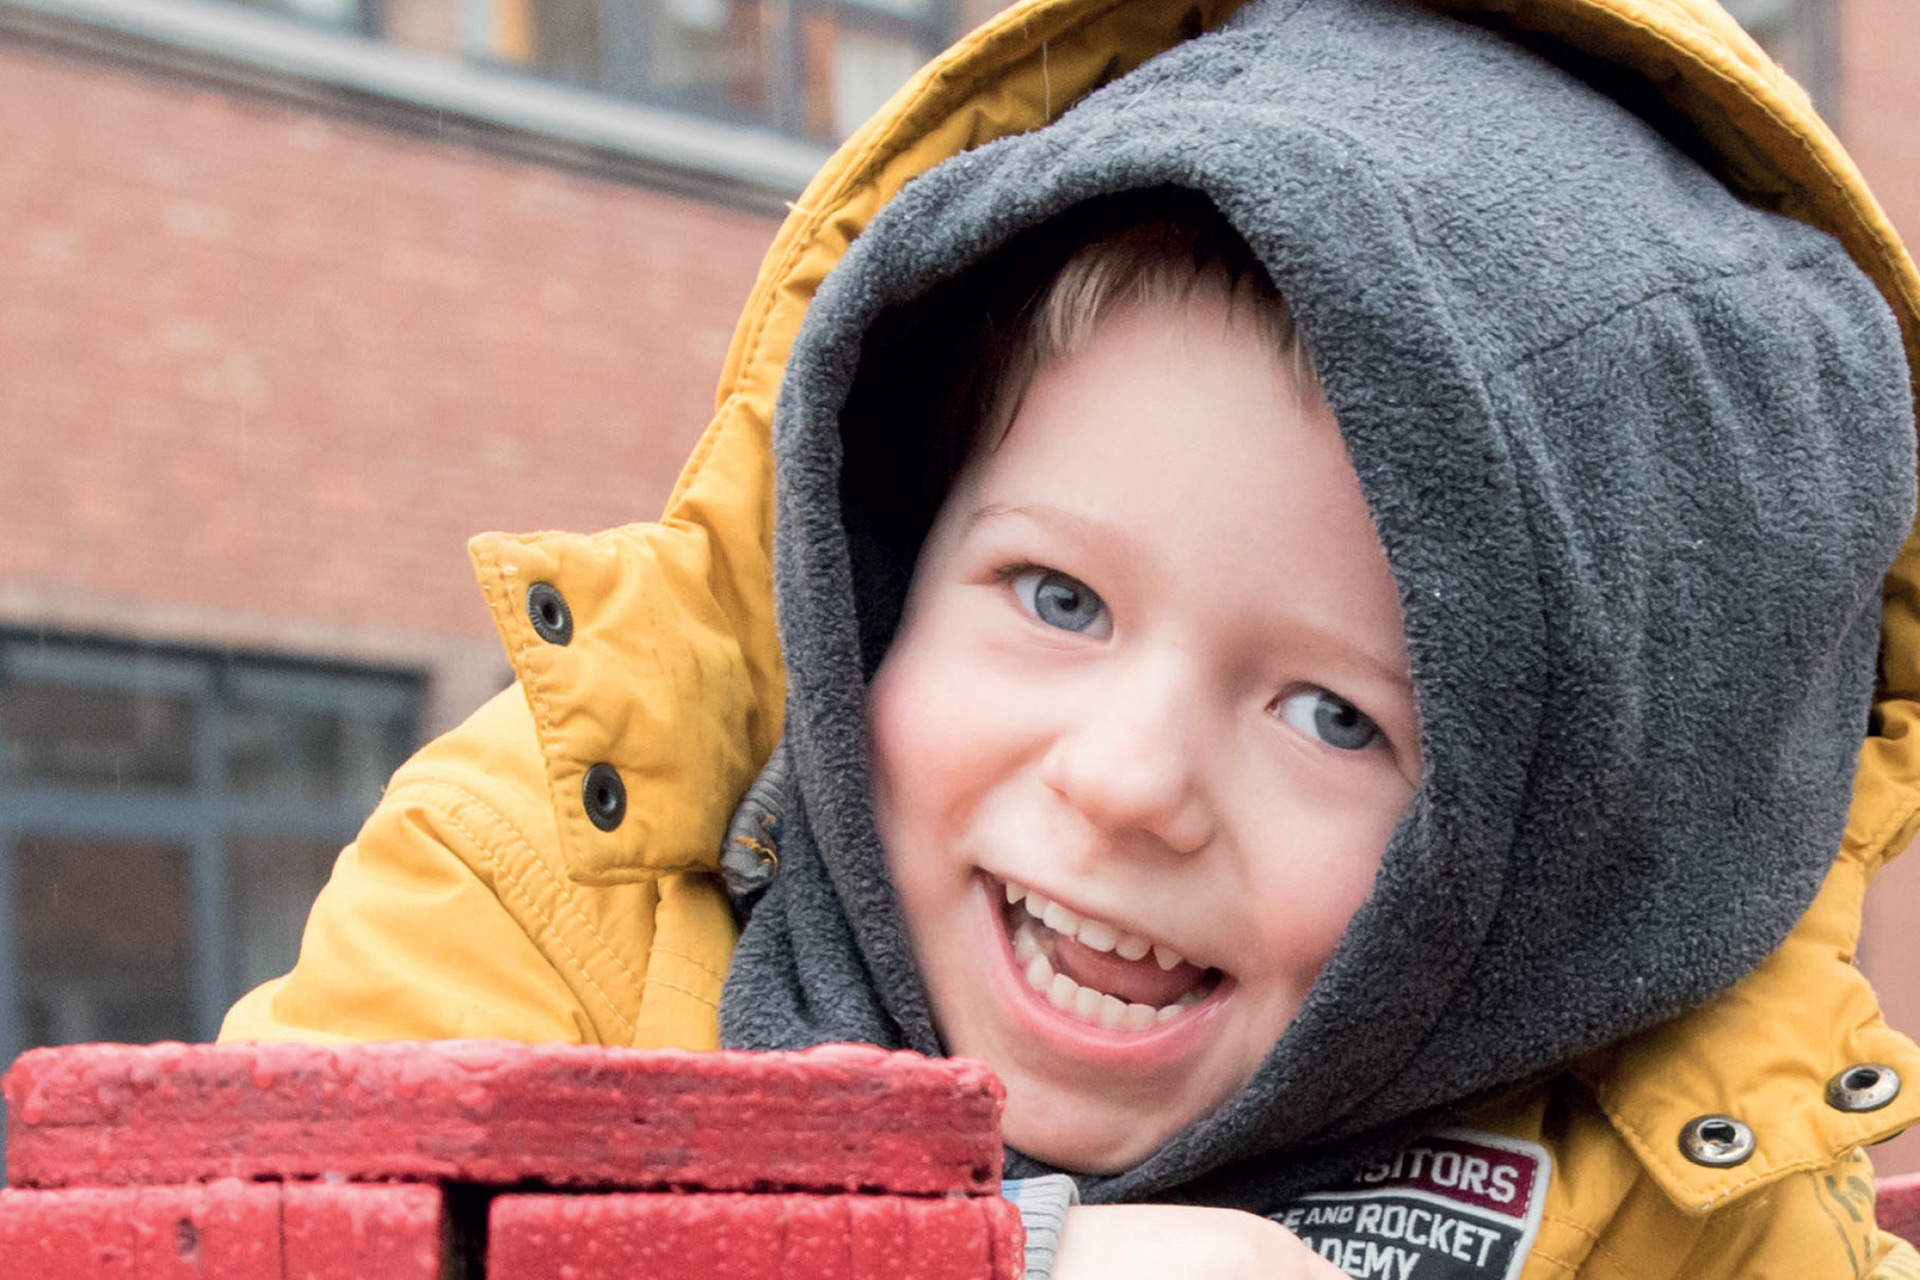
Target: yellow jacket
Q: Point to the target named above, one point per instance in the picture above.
(482, 900)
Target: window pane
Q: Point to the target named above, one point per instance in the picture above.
(852, 72)
(271, 884)
(314, 735)
(710, 54)
(88, 736)
(103, 940)
(432, 26)
(566, 39)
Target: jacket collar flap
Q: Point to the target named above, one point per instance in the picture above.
(1764, 1054)
(649, 707)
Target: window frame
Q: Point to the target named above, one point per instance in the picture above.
(201, 816)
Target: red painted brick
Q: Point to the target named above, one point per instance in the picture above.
(753, 1237)
(226, 1230)
(1897, 1208)
(223, 1230)
(835, 1118)
(345, 1231)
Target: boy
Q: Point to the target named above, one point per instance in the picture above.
(1440, 722)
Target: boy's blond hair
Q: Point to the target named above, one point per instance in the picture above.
(942, 377)
(1164, 264)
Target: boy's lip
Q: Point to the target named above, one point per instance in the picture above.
(1161, 1045)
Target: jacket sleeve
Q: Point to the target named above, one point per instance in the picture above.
(449, 918)
(407, 943)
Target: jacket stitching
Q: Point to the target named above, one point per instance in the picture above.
(517, 650)
(1901, 815)
(680, 990)
(1553, 1259)
(561, 891)
(1618, 1264)
(691, 959)
(1722, 1194)
(1572, 1224)
(512, 879)
(560, 886)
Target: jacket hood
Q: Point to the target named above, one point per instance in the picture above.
(1639, 452)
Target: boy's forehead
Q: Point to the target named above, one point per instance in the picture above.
(1176, 463)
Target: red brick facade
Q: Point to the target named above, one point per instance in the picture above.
(263, 372)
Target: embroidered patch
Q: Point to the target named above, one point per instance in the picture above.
(1457, 1205)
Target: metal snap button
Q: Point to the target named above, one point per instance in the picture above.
(1719, 1142)
(547, 610)
(1865, 1086)
(605, 796)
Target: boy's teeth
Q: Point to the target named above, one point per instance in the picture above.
(1097, 934)
(1061, 920)
(1089, 1005)
(1025, 945)
(1061, 992)
(1167, 957)
(1101, 937)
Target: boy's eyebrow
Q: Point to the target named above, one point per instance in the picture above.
(1046, 512)
(1392, 670)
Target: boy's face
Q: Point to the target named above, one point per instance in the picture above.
(1152, 672)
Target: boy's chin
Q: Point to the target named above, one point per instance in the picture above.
(1093, 1143)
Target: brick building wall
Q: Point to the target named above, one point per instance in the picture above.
(263, 371)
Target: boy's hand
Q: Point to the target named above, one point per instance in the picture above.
(1170, 1241)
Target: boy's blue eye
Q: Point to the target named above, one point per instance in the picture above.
(1330, 718)
(1060, 601)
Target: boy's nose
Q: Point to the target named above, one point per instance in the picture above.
(1132, 765)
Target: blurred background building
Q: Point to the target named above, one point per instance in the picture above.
(296, 295)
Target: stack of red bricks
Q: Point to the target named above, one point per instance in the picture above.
(1897, 1208)
(464, 1160)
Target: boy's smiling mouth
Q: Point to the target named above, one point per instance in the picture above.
(1095, 971)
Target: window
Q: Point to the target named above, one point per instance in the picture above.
(166, 818)
(1801, 37)
(813, 69)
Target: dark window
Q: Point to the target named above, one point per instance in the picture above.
(166, 818)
